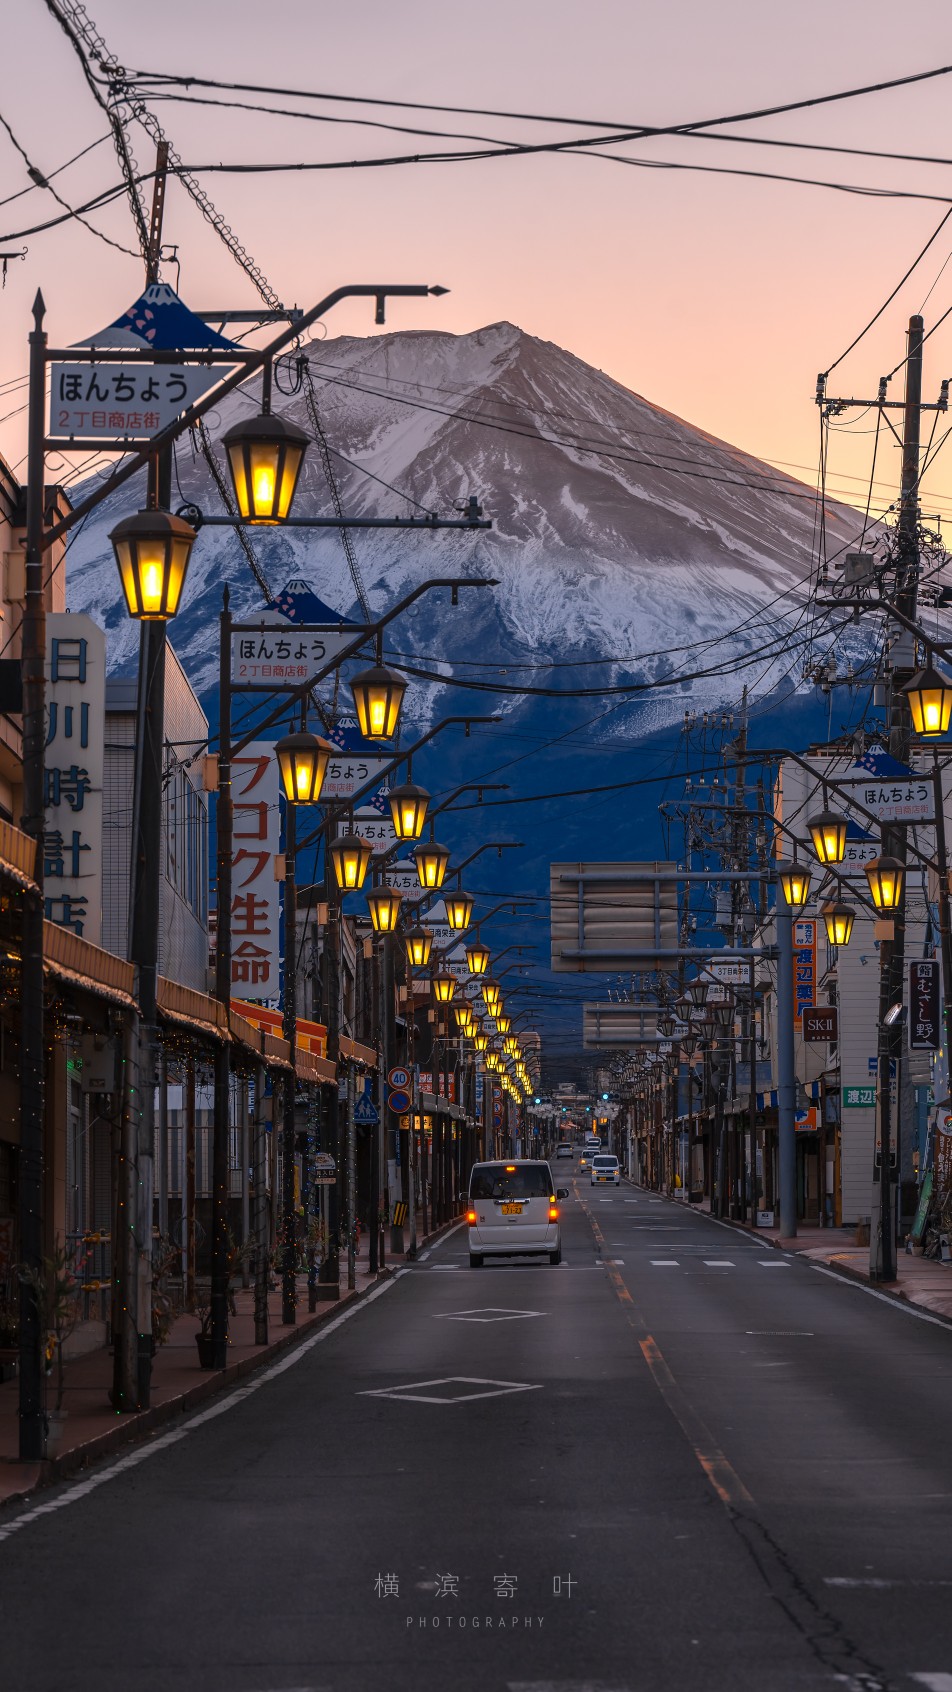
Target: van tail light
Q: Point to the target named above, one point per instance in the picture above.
(553, 1213)
(471, 1217)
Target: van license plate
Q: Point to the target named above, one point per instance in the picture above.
(512, 1209)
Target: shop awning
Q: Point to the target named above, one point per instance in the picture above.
(78, 963)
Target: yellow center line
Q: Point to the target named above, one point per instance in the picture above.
(723, 1477)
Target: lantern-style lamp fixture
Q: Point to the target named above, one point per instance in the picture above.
(477, 957)
(431, 860)
(493, 1060)
(152, 551)
(828, 831)
(697, 991)
(885, 876)
(930, 702)
(480, 1041)
(384, 904)
(459, 909)
(444, 986)
(795, 881)
(688, 1044)
(378, 696)
(350, 857)
(419, 944)
(503, 1023)
(839, 921)
(464, 1017)
(265, 455)
(666, 1025)
(302, 763)
(723, 1017)
(492, 995)
(408, 807)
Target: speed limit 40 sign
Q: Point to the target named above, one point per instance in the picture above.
(399, 1078)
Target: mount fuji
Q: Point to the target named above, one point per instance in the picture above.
(629, 548)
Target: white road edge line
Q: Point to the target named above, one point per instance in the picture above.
(894, 1304)
(143, 1452)
(449, 1232)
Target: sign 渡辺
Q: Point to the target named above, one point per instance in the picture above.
(859, 1097)
(804, 965)
(255, 900)
(925, 1019)
(73, 773)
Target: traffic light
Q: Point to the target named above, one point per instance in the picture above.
(604, 1095)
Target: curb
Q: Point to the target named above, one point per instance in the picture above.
(132, 1429)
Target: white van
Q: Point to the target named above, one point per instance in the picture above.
(513, 1211)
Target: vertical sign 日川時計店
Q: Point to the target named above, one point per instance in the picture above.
(73, 773)
(925, 1021)
(255, 901)
(804, 965)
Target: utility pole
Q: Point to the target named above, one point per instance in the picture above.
(905, 567)
(132, 1352)
(882, 1264)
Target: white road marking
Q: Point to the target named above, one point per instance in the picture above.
(719, 1263)
(491, 1313)
(895, 1303)
(665, 1263)
(412, 1393)
(143, 1452)
(885, 1586)
(934, 1682)
(448, 1235)
(772, 1263)
(423, 1256)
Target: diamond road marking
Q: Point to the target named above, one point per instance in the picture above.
(491, 1313)
(413, 1392)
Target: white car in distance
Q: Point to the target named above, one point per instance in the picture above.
(605, 1167)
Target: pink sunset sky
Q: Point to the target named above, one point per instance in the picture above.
(718, 297)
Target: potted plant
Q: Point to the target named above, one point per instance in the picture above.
(57, 1291)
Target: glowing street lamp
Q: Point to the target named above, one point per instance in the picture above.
(408, 807)
(930, 702)
(431, 861)
(302, 763)
(350, 856)
(152, 551)
(444, 986)
(384, 904)
(839, 921)
(265, 455)
(477, 957)
(886, 876)
(459, 909)
(378, 695)
(828, 831)
(795, 881)
(419, 944)
(492, 995)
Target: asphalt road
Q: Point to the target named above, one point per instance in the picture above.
(679, 1460)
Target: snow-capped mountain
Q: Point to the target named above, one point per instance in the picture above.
(620, 533)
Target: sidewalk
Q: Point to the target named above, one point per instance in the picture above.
(922, 1281)
(93, 1429)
